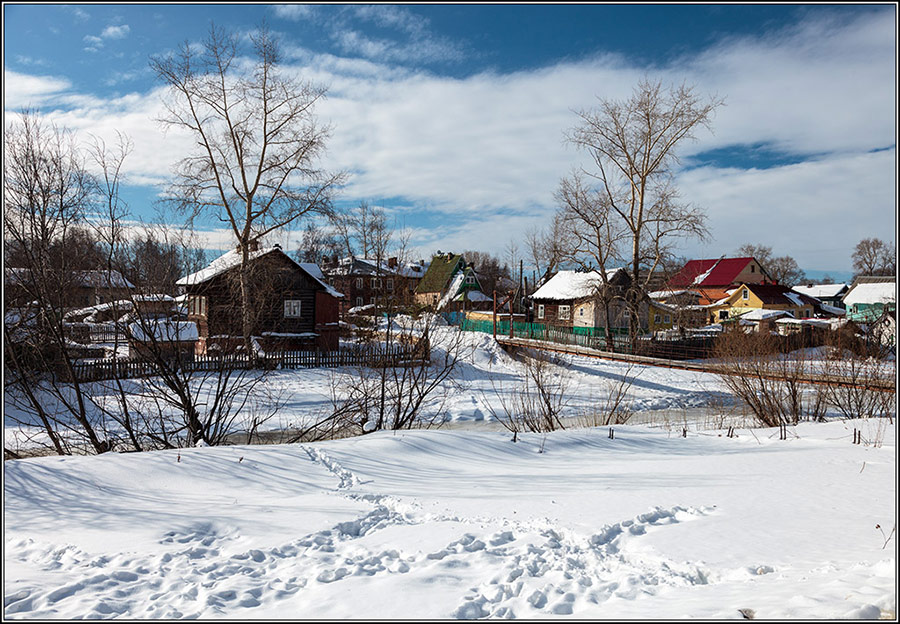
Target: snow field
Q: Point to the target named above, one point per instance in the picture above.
(459, 524)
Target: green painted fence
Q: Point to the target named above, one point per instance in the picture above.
(592, 337)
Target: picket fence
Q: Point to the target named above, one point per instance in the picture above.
(374, 357)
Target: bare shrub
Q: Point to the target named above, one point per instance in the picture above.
(856, 390)
(771, 384)
(613, 408)
(536, 404)
(410, 394)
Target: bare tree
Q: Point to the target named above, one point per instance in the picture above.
(546, 249)
(633, 147)
(595, 237)
(48, 193)
(782, 269)
(257, 136)
(873, 256)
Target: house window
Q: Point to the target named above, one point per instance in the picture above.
(197, 306)
(359, 302)
(657, 319)
(390, 283)
(292, 308)
(470, 279)
(580, 311)
(565, 312)
(359, 283)
(667, 319)
(372, 300)
(723, 314)
(753, 268)
(541, 311)
(745, 294)
(376, 283)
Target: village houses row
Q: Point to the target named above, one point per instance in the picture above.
(298, 306)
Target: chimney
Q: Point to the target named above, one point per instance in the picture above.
(252, 245)
(392, 263)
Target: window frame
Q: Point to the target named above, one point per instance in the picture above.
(564, 312)
(292, 308)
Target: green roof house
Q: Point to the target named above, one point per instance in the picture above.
(449, 283)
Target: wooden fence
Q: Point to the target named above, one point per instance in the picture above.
(394, 356)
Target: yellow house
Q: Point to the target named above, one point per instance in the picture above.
(748, 297)
(661, 316)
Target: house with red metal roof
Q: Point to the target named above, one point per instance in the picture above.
(714, 278)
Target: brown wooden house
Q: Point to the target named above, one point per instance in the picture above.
(367, 282)
(292, 308)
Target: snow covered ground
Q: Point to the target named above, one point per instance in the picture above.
(464, 523)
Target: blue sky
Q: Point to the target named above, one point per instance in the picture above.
(452, 116)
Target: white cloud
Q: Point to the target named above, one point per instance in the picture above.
(293, 12)
(487, 150)
(815, 211)
(22, 90)
(95, 43)
(115, 32)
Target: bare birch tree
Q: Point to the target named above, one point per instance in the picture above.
(633, 148)
(258, 140)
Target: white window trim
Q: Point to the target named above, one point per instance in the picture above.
(359, 302)
(540, 310)
(389, 283)
(565, 313)
(745, 294)
(359, 282)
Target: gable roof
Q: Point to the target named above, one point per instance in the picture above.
(712, 273)
(776, 294)
(872, 290)
(439, 273)
(351, 265)
(232, 259)
(572, 285)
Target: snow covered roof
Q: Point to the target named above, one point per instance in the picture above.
(572, 285)
(475, 295)
(871, 292)
(824, 307)
(452, 290)
(84, 279)
(164, 330)
(821, 290)
(761, 314)
(811, 322)
(662, 294)
(350, 265)
(232, 259)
